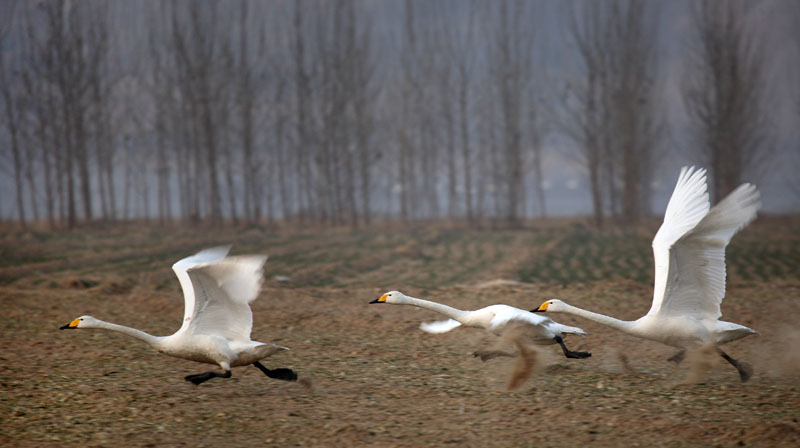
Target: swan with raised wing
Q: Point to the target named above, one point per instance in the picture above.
(217, 319)
(689, 251)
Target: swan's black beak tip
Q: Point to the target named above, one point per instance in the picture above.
(376, 301)
(64, 327)
(537, 310)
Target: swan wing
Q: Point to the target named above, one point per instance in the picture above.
(523, 327)
(687, 206)
(520, 325)
(441, 326)
(505, 315)
(698, 258)
(569, 330)
(205, 256)
(223, 291)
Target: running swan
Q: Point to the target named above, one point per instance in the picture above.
(496, 319)
(217, 320)
(689, 251)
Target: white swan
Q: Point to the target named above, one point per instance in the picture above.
(217, 319)
(689, 251)
(496, 319)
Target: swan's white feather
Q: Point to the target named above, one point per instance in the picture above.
(697, 260)
(181, 267)
(217, 323)
(544, 328)
(223, 291)
(687, 206)
(440, 326)
(689, 251)
(496, 319)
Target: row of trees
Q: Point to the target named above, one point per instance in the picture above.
(338, 112)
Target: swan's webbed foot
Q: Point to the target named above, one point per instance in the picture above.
(569, 353)
(577, 355)
(200, 378)
(278, 374)
(677, 357)
(486, 355)
(745, 369)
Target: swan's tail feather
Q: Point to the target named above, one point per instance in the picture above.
(572, 330)
(729, 331)
(266, 350)
(441, 326)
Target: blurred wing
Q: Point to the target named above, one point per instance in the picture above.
(569, 330)
(181, 267)
(223, 292)
(505, 316)
(441, 326)
(698, 259)
(686, 207)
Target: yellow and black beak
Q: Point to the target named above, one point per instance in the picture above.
(70, 326)
(542, 308)
(381, 299)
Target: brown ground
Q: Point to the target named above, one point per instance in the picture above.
(370, 376)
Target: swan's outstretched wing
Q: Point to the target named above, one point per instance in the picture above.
(505, 316)
(206, 256)
(686, 207)
(221, 292)
(441, 326)
(536, 326)
(697, 286)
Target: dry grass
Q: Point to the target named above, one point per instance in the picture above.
(370, 377)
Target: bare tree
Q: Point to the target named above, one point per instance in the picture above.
(611, 105)
(444, 73)
(536, 132)
(100, 84)
(62, 44)
(40, 137)
(794, 156)
(725, 91)
(404, 184)
(10, 90)
(247, 96)
(302, 89)
(510, 68)
(419, 140)
(201, 45)
(454, 71)
(635, 123)
(45, 114)
(363, 70)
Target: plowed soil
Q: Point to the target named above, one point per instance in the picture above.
(369, 376)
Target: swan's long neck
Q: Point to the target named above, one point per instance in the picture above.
(449, 311)
(621, 325)
(155, 341)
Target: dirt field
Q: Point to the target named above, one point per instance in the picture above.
(370, 376)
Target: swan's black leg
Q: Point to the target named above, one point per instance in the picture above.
(677, 357)
(205, 376)
(569, 353)
(745, 370)
(278, 374)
